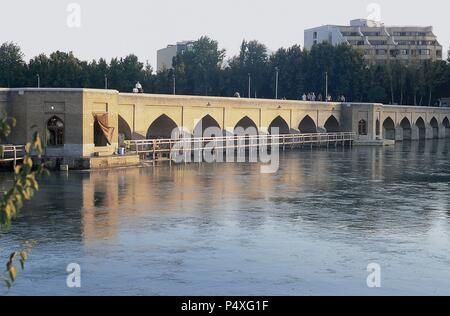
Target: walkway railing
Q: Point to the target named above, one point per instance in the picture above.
(12, 153)
(158, 148)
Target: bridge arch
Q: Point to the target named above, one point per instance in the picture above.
(332, 125)
(435, 126)
(207, 122)
(420, 123)
(407, 130)
(280, 123)
(162, 127)
(389, 129)
(307, 125)
(124, 130)
(446, 124)
(245, 124)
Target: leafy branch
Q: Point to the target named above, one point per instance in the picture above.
(23, 189)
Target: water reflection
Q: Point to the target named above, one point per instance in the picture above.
(327, 208)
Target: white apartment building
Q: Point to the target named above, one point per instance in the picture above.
(165, 55)
(378, 42)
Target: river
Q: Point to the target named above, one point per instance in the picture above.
(227, 229)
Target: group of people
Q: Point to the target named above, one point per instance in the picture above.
(311, 96)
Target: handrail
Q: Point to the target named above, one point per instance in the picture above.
(156, 146)
(18, 153)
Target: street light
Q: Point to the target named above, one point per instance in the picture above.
(276, 83)
(249, 85)
(106, 82)
(174, 82)
(326, 86)
(38, 81)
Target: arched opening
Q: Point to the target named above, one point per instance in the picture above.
(389, 129)
(406, 126)
(280, 124)
(332, 125)
(420, 123)
(124, 131)
(55, 132)
(246, 126)
(161, 128)
(208, 124)
(307, 126)
(435, 125)
(446, 124)
(377, 127)
(362, 127)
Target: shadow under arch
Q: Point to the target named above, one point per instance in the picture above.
(405, 124)
(280, 123)
(446, 124)
(420, 123)
(435, 126)
(389, 129)
(247, 125)
(209, 124)
(162, 127)
(124, 129)
(332, 125)
(307, 125)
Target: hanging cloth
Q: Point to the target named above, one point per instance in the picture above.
(102, 120)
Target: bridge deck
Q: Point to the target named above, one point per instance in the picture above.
(160, 149)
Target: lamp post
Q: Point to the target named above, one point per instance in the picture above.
(38, 81)
(249, 85)
(276, 83)
(106, 82)
(174, 82)
(326, 86)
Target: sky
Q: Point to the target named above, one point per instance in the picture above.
(116, 28)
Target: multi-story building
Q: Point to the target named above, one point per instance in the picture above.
(165, 55)
(378, 42)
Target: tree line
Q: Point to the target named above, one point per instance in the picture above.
(205, 69)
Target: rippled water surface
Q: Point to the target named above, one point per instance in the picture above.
(227, 229)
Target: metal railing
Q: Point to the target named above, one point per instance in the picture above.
(157, 148)
(12, 153)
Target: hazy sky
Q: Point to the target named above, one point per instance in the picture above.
(110, 28)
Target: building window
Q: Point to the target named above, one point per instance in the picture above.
(315, 35)
(425, 52)
(55, 132)
(362, 127)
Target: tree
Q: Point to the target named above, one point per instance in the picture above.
(198, 68)
(12, 66)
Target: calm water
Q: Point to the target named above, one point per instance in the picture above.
(226, 229)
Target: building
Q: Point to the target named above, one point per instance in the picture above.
(378, 42)
(165, 55)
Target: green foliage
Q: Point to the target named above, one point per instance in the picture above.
(23, 189)
(9, 276)
(204, 70)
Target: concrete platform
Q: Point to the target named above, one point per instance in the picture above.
(87, 163)
(380, 142)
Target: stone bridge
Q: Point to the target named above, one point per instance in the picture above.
(66, 117)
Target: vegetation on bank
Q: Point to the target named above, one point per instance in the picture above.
(206, 70)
